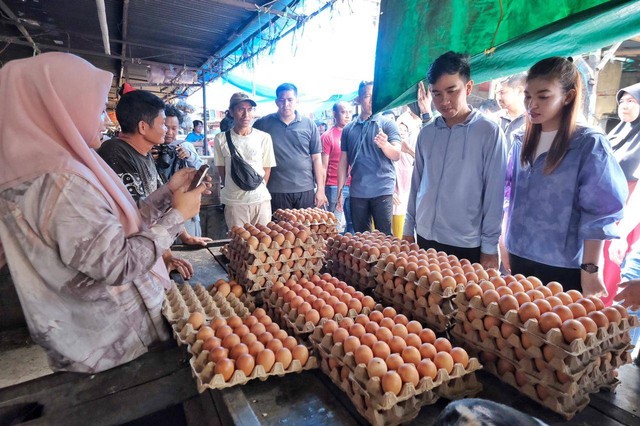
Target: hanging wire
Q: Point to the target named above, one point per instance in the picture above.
(491, 50)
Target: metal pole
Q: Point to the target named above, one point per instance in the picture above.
(205, 144)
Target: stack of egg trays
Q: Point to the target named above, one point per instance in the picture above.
(254, 268)
(387, 408)
(295, 323)
(588, 365)
(181, 301)
(416, 297)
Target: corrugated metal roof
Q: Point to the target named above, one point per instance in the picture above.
(182, 33)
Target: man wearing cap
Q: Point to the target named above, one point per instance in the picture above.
(256, 148)
(297, 148)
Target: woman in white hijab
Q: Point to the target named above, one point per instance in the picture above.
(85, 261)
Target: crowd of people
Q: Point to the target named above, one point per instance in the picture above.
(87, 226)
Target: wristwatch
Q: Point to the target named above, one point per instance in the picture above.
(591, 268)
(426, 116)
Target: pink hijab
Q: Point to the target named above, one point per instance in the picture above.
(50, 122)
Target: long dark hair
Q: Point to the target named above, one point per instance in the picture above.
(563, 70)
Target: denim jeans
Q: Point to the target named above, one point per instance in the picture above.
(344, 217)
(380, 209)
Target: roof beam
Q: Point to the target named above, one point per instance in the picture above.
(17, 23)
(123, 48)
(255, 8)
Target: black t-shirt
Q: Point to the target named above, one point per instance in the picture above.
(138, 172)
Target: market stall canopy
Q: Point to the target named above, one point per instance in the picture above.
(502, 37)
(165, 46)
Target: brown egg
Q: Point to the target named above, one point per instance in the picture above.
(397, 344)
(472, 290)
(253, 242)
(621, 309)
(265, 338)
(573, 330)
(204, 333)
(442, 344)
(542, 392)
(340, 335)
(554, 301)
(597, 301)
(300, 353)
(409, 374)
(389, 312)
(255, 348)
(346, 323)
(368, 339)
(218, 322)
(399, 330)
(544, 290)
(503, 366)
(411, 354)
(490, 296)
(217, 354)
(363, 354)
(376, 367)
(448, 282)
(508, 303)
(245, 363)
(564, 297)
(329, 326)
(612, 315)
(528, 310)
(543, 305)
(522, 297)
(507, 330)
(490, 322)
(427, 368)
(394, 361)
(504, 290)
(460, 356)
(589, 324)
(563, 312)
(284, 357)
(368, 302)
(238, 350)
(275, 345)
(577, 310)
(555, 287)
(427, 335)
(266, 359)
(225, 366)
(599, 318)
(588, 305)
(355, 304)
(350, 344)
(444, 360)
(376, 316)
(258, 328)
(312, 316)
(413, 339)
(230, 340)
(515, 287)
(341, 308)
(196, 320)
(549, 320)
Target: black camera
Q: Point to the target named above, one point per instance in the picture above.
(164, 154)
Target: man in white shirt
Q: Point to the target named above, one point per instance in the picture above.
(256, 148)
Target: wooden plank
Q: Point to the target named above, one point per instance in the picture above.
(233, 407)
(200, 411)
(622, 403)
(127, 405)
(63, 390)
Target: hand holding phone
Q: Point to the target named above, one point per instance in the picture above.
(199, 177)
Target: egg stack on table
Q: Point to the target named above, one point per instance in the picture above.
(300, 304)
(555, 346)
(321, 224)
(390, 367)
(259, 255)
(229, 344)
(422, 284)
(351, 257)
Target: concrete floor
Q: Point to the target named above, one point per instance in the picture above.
(20, 359)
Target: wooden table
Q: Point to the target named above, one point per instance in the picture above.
(158, 388)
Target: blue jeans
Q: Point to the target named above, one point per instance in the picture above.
(343, 217)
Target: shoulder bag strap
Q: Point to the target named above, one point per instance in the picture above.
(232, 148)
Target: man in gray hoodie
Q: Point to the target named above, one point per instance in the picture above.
(457, 188)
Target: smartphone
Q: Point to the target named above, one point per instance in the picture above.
(199, 177)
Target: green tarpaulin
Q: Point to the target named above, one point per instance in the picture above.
(413, 33)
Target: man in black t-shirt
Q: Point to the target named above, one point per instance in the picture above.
(141, 118)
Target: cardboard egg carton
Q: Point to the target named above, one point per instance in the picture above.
(277, 257)
(284, 216)
(241, 246)
(612, 336)
(278, 268)
(581, 372)
(182, 300)
(204, 370)
(327, 348)
(565, 405)
(400, 413)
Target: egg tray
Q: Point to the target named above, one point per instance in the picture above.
(435, 287)
(181, 301)
(580, 379)
(614, 335)
(254, 283)
(563, 404)
(563, 362)
(241, 246)
(268, 269)
(359, 281)
(326, 347)
(400, 413)
(286, 217)
(252, 260)
(432, 316)
(204, 370)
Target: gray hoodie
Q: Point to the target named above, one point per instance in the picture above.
(457, 186)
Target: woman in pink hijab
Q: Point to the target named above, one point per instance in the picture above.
(85, 261)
